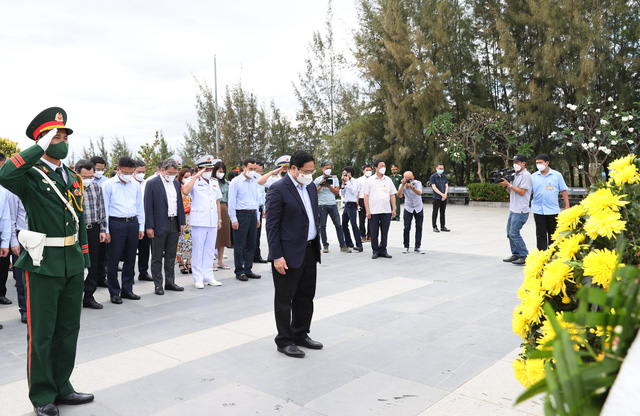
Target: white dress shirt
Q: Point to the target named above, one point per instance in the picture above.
(379, 191)
(172, 197)
(303, 191)
(350, 191)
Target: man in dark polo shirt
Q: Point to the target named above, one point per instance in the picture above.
(440, 185)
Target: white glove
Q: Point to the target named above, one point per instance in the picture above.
(45, 141)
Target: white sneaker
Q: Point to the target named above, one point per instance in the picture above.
(213, 282)
(419, 251)
(405, 250)
(199, 285)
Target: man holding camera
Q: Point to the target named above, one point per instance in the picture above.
(328, 188)
(519, 197)
(349, 192)
(411, 190)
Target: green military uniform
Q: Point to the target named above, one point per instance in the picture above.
(54, 289)
(397, 179)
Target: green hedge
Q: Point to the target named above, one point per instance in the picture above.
(487, 192)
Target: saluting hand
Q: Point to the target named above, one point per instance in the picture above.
(281, 265)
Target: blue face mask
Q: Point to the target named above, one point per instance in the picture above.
(440, 171)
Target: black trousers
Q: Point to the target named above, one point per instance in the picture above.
(438, 205)
(144, 249)
(408, 216)
(124, 241)
(545, 227)
(102, 262)
(293, 300)
(4, 274)
(91, 281)
(379, 225)
(244, 242)
(362, 216)
(165, 246)
(349, 215)
(257, 255)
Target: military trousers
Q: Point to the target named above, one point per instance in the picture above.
(53, 311)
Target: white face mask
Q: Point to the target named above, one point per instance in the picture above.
(382, 171)
(139, 177)
(327, 172)
(125, 178)
(87, 182)
(206, 175)
(253, 174)
(169, 178)
(367, 173)
(186, 180)
(516, 167)
(98, 173)
(304, 179)
(220, 175)
(541, 167)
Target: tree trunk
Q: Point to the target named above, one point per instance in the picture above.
(479, 172)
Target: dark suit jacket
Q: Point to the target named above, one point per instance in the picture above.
(287, 223)
(155, 205)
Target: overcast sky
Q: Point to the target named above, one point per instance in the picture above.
(127, 69)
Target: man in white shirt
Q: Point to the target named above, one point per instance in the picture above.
(380, 204)
(349, 192)
(364, 226)
(144, 245)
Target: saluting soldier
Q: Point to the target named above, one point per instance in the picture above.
(396, 178)
(55, 256)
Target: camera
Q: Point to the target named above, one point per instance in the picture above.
(323, 182)
(496, 176)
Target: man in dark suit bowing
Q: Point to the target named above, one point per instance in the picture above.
(293, 225)
(165, 221)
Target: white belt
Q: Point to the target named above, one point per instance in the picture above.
(61, 241)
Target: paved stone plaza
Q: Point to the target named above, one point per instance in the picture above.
(412, 335)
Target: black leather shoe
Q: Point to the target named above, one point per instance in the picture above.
(358, 249)
(435, 230)
(260, 260)
(159, 291)
(102, 283)
(445, 229)
(4, 301)
(520, 261)
(173, 287)
(242, 277)
(253, 276)
(48, 409)
(91, 303)
(24, 318)
(145, 278)
(292, 351)
(130, 295)
(1, 326)
(309, 343)
(116, 299)
(511, 259)
(76, 398)
(374, 256)
(386, 255)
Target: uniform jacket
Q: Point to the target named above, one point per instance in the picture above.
(47, 213)
(287, 223)
(204, 207)
(155, 205)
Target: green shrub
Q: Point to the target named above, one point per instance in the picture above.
(487, 192)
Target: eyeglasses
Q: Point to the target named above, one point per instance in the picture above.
(307, 172)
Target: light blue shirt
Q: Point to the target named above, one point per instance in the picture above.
(5, 219)
(243, 194)
(545, 192)
(101, 181)
(350, 191)
(325, 196)
(18, 218)
(123, 200)
(304, 194)
(261, 195)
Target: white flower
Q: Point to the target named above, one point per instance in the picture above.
(614, 142)
(580, 128)
(610, 99)
(624, 118)
(630, 129)
(613, 133)
(598, 132)
(554, 133)
(604, 122)
(572, 107)
(573, 133)
(630, 117)
(593, 139)
(585, 145)
(608, 151)
(592, 145)
(629, 141)
(615, 107)
(580, 167)
(584, 113)
(597, 110)
(617, 115)
(569, 144)
(445, 149)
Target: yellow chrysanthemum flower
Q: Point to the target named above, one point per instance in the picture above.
(604, 224)
(532, 307)
(536, 260)
(530, 285)
(600, 265)
(547, 334)
(519, 322)
(520, 370)
(570, 218)
(535, 371)
(603, 199)
(570, 246)
(555, 277)
(628, 174)
(621, 163)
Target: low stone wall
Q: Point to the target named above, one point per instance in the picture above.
(489, 204)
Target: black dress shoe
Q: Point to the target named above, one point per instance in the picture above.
(48, 409)
(76, 398)
(102, 283)
(130, 295)
(242, 277)
(116, 299)
(159, 291)
(4, 301)
(374, 256)
(309, 343)
(173, 287)
(145, 278)
(292, 351)
(260, 260)
(445, 229)
(253, 276)
(386, 255)
(91, 303)
(435, 230)
(358, 249)
(24, 318)
(520, 261)
(511, 259)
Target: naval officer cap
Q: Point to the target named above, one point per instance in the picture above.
(51, 118)
(205, 161)
(283, 161)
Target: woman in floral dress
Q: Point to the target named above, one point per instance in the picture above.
(183, 256)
